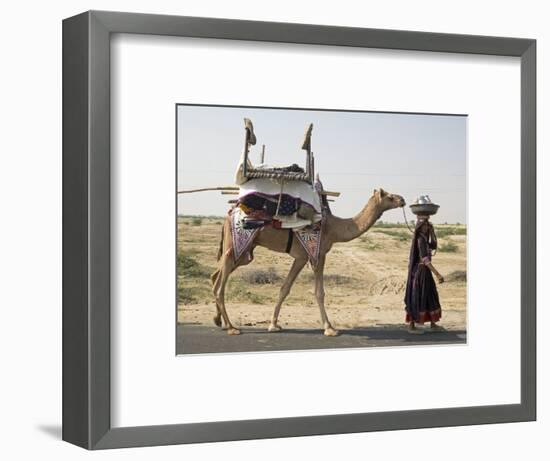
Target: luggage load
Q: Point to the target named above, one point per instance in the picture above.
(293, 203)
(285, 197)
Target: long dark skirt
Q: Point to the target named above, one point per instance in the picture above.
(421, 298)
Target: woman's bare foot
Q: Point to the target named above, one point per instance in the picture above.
(413, 330)
(434, 327)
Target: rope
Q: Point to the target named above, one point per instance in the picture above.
(280, 197)
(406, 222)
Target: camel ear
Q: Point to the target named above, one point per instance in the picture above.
(383, 192)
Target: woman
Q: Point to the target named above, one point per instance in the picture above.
(421, 297)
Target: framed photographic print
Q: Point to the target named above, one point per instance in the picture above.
(330, 221)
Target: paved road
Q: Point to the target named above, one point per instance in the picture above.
(197, 339)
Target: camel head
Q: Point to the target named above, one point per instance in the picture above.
(387, 201)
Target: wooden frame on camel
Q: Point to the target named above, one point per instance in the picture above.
(86, 230)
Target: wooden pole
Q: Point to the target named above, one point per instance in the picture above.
(306, 145)
(189, 191)
(234, 189)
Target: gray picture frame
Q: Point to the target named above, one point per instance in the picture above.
(86, 229)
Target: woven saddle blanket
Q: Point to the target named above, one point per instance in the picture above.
(242, 238)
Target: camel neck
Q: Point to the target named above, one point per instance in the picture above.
(351, 228)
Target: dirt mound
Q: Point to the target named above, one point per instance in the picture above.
(388, 285)
(456, 276)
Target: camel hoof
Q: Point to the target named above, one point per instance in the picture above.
(274, 328)
(331, 332)
(233, 331)
(218, 320)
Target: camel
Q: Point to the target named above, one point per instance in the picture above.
(335, 230)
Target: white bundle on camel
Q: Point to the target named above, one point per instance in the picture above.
(288, 194)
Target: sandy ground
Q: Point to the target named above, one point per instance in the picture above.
(364, 281)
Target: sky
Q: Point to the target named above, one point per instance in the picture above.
(355, 153)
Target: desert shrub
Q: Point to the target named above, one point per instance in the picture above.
(443, 232)
(237, 291)
(330, 279)
(399, 235)
(261, 276)
(448, 247)
(386, 225)
(185, 296)
(196, 221)
(456, 276)
(188, 267)
(189, 293)
(369, 244)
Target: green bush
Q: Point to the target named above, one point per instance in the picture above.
(238, 292)
(448, 247)
(188, 267)
(369, 244)
(443, 232)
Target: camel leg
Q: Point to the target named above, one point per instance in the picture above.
(214, 278)
(227, 265)
(320, 295)
(296, 268)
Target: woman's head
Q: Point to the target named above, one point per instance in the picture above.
(423, 226)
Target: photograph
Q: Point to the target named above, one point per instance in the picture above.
(302, 229)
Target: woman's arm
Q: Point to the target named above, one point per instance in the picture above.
(426, 257)
(426, 261)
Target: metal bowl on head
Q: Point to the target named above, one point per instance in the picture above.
(423, 206)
